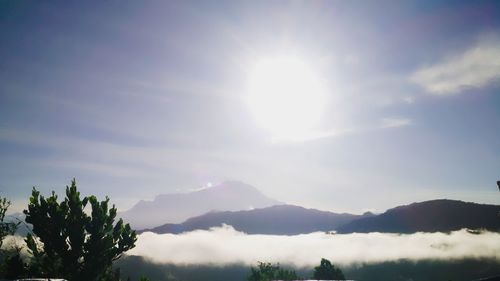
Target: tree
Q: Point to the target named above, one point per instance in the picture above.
(327, 271)
(6, 228)
(267, 272)
(75, 246)
(12, 266)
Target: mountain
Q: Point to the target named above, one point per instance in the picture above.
(279, 220)
(227, 196)
(429, 216)
(18, 218)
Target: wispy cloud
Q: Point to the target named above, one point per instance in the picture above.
(475, 68)
(384, 123)
(224, 245)
(387, 123)
(313, 135)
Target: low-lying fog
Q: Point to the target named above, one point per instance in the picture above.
(224, 245)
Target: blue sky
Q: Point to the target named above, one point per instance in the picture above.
(135, 99)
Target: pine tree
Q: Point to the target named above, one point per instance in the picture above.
(74, 245)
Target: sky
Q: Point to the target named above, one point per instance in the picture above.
(139, 98)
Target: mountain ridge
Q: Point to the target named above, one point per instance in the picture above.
(279, 220)
(427, 216)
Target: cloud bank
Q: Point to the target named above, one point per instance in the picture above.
(224, 245)
(475, 68)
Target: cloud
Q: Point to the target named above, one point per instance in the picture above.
(311, 136)
(409, 99)
(224, 245)
(384, 123)
(395, 122)
(475, 68)
(15, 242)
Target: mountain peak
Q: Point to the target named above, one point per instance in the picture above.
(177, 207)
(230, 185)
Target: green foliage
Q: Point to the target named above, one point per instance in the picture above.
(111, 275)
(327, 271)
(75, 246)
(13, 266)
(267, 272)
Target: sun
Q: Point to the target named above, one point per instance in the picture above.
(285, 96)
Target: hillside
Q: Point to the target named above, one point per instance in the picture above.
(429, 216)
(279, 220)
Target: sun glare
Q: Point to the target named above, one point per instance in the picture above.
(285, 96)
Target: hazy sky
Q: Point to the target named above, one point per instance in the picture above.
(138, 98)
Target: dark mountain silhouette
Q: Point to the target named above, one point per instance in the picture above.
(429, 216)
(227, 196)
(281, 219)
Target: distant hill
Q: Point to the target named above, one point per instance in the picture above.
(279, 220)
(23, 228)
(429, 216)
(227, 196)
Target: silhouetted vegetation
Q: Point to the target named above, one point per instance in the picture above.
(425, 270)
(12, 265)
(268, 272)
(327, 271)
(74, 245)
(6, 228)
